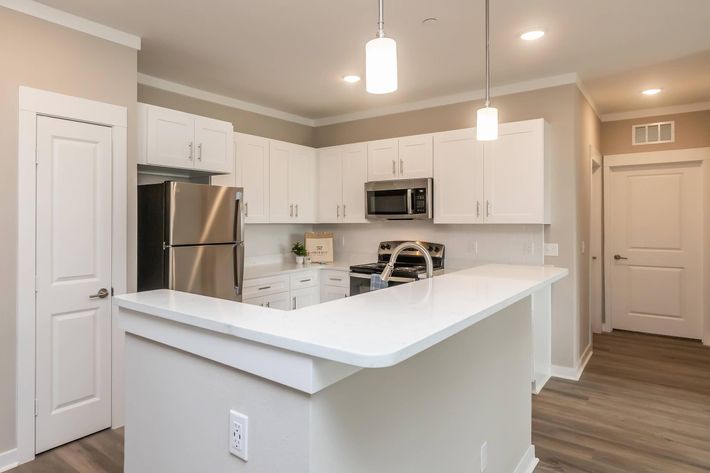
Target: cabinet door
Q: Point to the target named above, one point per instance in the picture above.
(252, 173)
(302, 183)
(515, 174)
(280, 301)
(458, 177)
(170, 138)
(330, 189)
(416, 157)
(332, 293)
(214, 143)
(305, 297)
(354, 176)
(382, 159)
(280, 208)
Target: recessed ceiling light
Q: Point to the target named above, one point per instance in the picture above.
(351, 78)
(532, 35)
(651, 91)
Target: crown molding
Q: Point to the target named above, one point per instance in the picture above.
(200, 94)
(654, 112)
(59, 17)
(582, 88)
(542, 83)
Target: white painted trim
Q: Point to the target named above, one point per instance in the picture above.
(62, 18)
(528, 462)
(657, 157)
(188, 91)
(534, 84)
(8, 460)
(517, 87)
(583, 88)
(34, 102)
(575, 373)
(655, 112)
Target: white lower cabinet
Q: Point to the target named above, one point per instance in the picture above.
(301, 298)
(335, 284)
(281, 301)
(332, 293)
(297, 289)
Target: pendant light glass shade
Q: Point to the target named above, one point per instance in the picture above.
(487, 124)
(381, 65)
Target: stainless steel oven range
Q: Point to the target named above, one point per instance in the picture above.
(410, 266)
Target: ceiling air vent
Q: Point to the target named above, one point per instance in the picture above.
(653, 133)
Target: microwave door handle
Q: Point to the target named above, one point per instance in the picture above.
(410, 195)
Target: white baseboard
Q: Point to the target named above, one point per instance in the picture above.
(528, 463)
(574, 374)
(8, 460)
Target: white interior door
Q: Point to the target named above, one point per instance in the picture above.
(654, 248)
(73, 365)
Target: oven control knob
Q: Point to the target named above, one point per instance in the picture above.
(388, 246)
(436, 248)
(431, 248)
(383, 247)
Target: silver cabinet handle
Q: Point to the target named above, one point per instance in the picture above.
(190, 155)
(294, 303)
(290, 212)
(401, 167)
(305, 280)
(394, 167)
(199, 152)
(268, 304)
(337, 211)
(343, 210)
(296, 210)
(488, 208)
(102, 294)
(246, 209)
(336, 279)
(478, 208)
(264, 288)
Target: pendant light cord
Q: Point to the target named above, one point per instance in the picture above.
(381, 22)
(488, 54)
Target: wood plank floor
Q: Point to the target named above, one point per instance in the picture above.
(642, 406)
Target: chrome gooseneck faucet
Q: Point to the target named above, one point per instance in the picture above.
(408, 245)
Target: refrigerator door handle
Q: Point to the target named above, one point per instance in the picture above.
(238, 268)
(240, 211)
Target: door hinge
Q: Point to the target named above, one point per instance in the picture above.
(36, 407)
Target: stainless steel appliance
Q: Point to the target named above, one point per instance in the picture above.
(191, 239)
(404, 199)
(409, 267)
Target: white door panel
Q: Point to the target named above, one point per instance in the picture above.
(655, 228)
(214, 142)
(73, 376)
(354, 176)
(302, 183)
(252, 163)
(382, 160)
(170, 136)
(416, 157)
(280, 208)
(330, 185)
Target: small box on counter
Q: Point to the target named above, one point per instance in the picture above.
(319, 246)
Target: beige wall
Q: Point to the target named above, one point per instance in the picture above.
(692, 130)
(46, 56)
(245, 122)
(588, 135)
(560, 106)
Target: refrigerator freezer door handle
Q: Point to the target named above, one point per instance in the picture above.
(238, 267)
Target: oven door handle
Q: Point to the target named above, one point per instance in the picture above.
(393, 279)
(410, 196)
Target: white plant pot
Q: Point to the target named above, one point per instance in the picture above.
(299, 259)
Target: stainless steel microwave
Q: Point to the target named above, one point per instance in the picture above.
(404, 199)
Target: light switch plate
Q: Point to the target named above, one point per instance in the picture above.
(552, 249)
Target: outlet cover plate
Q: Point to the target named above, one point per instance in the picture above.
(238, 434)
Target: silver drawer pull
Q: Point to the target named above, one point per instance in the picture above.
(102, 294)
(336, 279)
(305, 280)
(264, 288)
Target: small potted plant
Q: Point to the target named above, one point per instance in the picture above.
(300, 251)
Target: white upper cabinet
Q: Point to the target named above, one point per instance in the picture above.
(514, 174)
(458, 177)
(214, 145)
(342, 173)
(409, 157)
(501, 181)
(179, 140)
(416, 157)
(292, 183)
(382, 160)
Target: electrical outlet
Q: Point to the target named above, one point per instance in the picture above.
(552, 249)
(238, 434)
(484, 456)
(473, 247)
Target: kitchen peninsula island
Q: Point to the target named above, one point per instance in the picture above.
(419, 378)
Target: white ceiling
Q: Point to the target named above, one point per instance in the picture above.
(290, 55)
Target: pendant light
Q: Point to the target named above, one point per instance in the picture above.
(381, 60)
(487, 117)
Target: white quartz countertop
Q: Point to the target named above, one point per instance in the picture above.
(376, 329)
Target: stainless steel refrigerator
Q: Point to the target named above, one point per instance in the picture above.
(191, 239)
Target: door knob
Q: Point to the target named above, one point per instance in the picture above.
(102, 294)
(619, 257)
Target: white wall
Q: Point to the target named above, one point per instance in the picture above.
(265, 243)
(496, 243)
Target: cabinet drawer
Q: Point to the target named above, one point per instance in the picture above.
(279, 301)
(264, 286)
(304, 279)
(336, 278)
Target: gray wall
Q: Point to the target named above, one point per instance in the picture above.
(46, 56)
